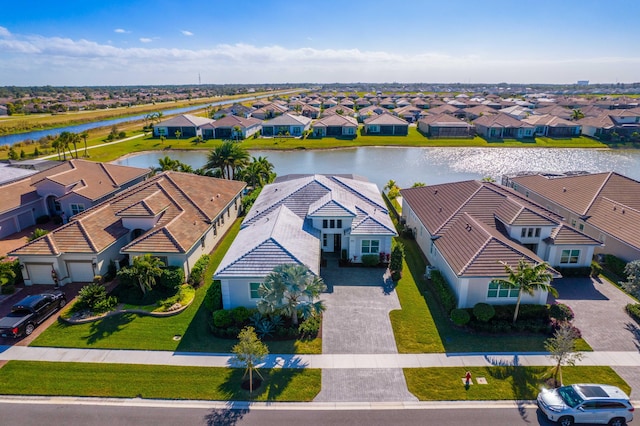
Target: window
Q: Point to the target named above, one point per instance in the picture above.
(76, 208)
(573, 223)
(370, 246)
(570, 256)
(253, 289)
(530, 232)
(339, 223)
(325, 223)
(324, 240)
(581, 226)
(202, 241)
(215, 229)
(332, 223)
(524, 233)
(537, 232)
(496, 290)
(57, 206)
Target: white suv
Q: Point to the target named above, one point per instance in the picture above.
(586, 403)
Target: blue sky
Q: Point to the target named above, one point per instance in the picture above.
(129, 42)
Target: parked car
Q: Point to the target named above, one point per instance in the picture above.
(586, 403)
(28, 313)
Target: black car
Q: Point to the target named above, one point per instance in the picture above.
(28, 313)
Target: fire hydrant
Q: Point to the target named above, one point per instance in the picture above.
(467, 378)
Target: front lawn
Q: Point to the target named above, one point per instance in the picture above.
(154, 381)
(185, 332)
(503, 382)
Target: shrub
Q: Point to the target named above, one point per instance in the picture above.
(94, 298)
(397, 255)
(370, 260)
(596, 269)
(7, 289)
(444, 292)
(396, 276)
(310, 327)
(483, 312)
(172, 277)
(197, 272)
(43, 219)
(37, 233)
(460, 317)
(222, 319)
(633, 309)
(240, 315)
(560, 312)
(105, 305)
(615, 265)
(213, 297)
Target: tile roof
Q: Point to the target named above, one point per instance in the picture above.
(184, 120)
(288, 120)
(234, 120)
(549, 120)
(444, 120)
(386, 119)
(336, 120)
(186, 205)
(279, 237)
(566, 235)
(608, 201)
(500, 120)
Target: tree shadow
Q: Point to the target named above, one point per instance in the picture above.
(525, 380)
(228, 416)
(274, 384)
(635, 331)
(106, 327)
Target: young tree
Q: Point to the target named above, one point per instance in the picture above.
(562, 349)
(250, 351)
(526, 278)
(395, 261)
(291, 288)
(37, 233)
(418, 184)
(146, 269)
(84, 135)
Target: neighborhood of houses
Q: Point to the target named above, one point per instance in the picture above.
(460, 116)
(113, 213)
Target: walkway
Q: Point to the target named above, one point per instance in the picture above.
(356, 321)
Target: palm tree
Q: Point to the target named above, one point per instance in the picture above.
(258, 172)
(84, 135)
(229, 158)
(291, 288)
(526, 278)
(168, 163)
(146, 269)
(391, 184)
(74, 138)
(577, 114)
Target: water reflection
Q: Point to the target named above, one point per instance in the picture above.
(429, 165)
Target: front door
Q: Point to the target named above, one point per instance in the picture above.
(337, 242)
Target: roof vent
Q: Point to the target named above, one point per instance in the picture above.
(218, 195)
(435, 192)
(564, 189)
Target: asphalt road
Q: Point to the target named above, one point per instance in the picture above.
(37, 414)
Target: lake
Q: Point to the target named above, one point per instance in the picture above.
(428, 165)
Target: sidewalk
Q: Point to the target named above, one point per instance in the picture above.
(328, 361)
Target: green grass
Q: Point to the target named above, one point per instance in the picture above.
(503, 382)
(154, 381)
(413, 139)
(132, 331)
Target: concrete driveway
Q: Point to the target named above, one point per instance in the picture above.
(599, 312)
(356, 320)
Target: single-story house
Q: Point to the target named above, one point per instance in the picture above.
(605, 206)
(369, 112)
(269, 111)
(445, 126)
(385, 125)
(235, 109)
(64, 190)
(502, 126)
(622, 122)
(466, 228)
(409, 113)
(340, 110)
(231, 127)
(552, 126)
(295, 220)
(286, 124)
(176, 217)
(335, 125)
(181, 126)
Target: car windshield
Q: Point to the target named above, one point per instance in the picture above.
(569, 396)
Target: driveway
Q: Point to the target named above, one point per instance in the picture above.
(599, 312)
(356, 320)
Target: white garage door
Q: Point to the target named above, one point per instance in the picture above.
(40, 273)
(25, 220)
(80, 272)
(7, 227)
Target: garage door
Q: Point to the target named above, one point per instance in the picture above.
(39, 273)
(7, 227)
(80, 272)
(25, 220)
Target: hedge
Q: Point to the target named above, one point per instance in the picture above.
(633, 309)
(447, 297)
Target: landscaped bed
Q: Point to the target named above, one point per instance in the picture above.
(154, 381)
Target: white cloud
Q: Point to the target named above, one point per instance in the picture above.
(187, 33)
(55, 60)
(121, 31)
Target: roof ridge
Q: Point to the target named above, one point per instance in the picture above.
(597, 193)
(86, 235)
(106, 171)
(455, 212)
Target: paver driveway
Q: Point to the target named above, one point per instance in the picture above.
(357, 321)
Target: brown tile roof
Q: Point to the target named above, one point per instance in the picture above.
(500, 120)
(548, 120)
(608, 201)
(336, 120)
(602, 121)
(566, 235)
(386, 119)
(234, 120)
(444, 120)
(185, 203)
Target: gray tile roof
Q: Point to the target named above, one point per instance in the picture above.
(277, 238)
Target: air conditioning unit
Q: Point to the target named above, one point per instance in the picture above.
(427, 272)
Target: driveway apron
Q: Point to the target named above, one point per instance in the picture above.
(356, 320)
